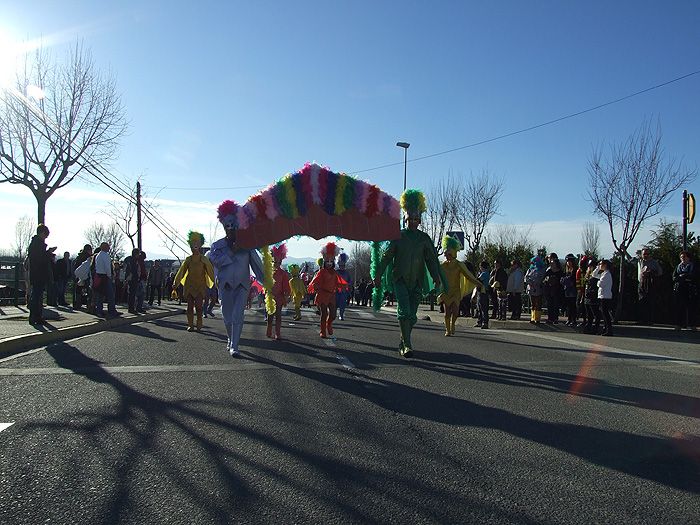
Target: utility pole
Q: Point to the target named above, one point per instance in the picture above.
(138, 215)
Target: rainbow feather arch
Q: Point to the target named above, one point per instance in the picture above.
(318, 202)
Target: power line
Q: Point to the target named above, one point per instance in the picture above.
(203, 189)
(125, 191)
(524, 130)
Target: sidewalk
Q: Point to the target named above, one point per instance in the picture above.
(622, 329)
(16, 334)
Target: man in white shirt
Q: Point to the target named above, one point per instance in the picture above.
(103, 282)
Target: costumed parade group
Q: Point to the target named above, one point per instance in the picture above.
(407, 266)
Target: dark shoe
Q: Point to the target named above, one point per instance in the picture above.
(484, 326)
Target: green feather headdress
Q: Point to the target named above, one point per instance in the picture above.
(450, 243)
(413, 202)
(193, 236)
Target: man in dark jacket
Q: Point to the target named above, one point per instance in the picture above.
(155, 281)
(39, 272)
(132, 277)
(63, 270)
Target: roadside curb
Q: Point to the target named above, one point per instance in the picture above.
(14, 345)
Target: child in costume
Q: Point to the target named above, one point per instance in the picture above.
(341, 298)
(409, 255)
(326, 283)
(460, 282)
(233, 265)
(196, 275)
(281, 290)
(298, 289)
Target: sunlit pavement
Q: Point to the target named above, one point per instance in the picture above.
(151, 424)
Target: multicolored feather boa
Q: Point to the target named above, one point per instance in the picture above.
(268, 281)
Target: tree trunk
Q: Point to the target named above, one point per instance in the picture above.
(621, 288)
(41, 208)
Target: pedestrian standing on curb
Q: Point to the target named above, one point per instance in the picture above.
(155, 282)
(552, 288)
(581, 290)
(568, 283)
(592, 301)
(80, 286)
(63, 272)
(685, 292)
(514, 289)
(131, 277)
(533, 278)
(39, 273)
(499, 283)
(649, 272)
(484, 293)
(143, 283)
(605, 285)
(103, 283)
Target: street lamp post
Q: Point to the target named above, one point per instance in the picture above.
(405, 146)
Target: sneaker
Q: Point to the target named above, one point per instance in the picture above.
(484, 326)
(190, 329)
(234, 352)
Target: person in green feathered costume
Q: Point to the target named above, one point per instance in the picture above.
(409, 256)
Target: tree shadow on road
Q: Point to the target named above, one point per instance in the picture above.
(468, 367)
(141, 432)
(671, 462)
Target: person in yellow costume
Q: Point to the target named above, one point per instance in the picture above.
(298, 289)
(460, 282)
(196, 276)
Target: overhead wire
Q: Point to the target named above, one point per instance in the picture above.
(91, 167)
(529, 128)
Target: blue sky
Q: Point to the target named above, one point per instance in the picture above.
(231, 94)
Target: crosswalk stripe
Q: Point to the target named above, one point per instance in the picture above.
(4, 426)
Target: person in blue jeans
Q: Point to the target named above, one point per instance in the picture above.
(483, 304)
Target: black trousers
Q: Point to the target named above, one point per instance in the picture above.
(155, 287)
(515, 301)
(605, 310)
(571, 309)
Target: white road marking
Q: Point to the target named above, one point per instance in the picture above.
(4, 426)
(364, 314)
(239, 366)
(599, 347)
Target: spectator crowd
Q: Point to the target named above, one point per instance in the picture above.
(580, 289)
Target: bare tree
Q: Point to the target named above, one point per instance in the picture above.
(97, 233)
(478, 202)
(24, 231)
(440, 216)
(359, 261)
(632, 183)
(58, 120)
(590, 239)
(171, 245)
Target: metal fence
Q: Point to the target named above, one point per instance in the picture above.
(12, 284)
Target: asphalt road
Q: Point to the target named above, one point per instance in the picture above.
(152, 424)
